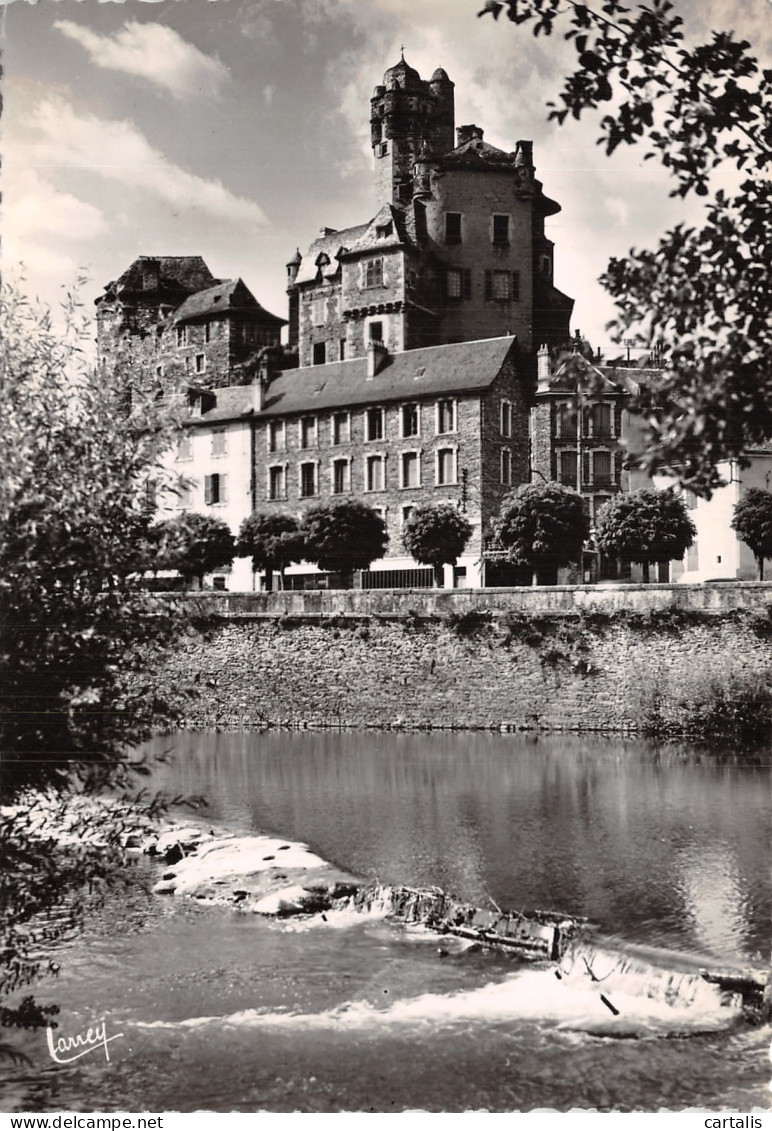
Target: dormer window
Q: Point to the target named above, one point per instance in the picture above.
(383, 231)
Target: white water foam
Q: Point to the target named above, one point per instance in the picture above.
(571, 1003)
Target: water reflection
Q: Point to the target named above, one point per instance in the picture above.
(658, 844)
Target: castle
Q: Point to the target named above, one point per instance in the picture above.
(416, 368)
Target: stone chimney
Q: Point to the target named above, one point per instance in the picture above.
(268, 363)
(543, 369)
(468, 133)
(377, 357)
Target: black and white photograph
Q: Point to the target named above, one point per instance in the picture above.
(385, 560)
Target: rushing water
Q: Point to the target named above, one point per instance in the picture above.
(664, 849)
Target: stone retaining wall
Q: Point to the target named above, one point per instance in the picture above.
(463, 659)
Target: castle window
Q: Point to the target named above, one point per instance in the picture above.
(341, 428)
(446, 416)
(317, 312)
(185, 447)
(410, 470)
(506, 418)
(406, 513)
(374, 424)
(200, 363)
(308, 476)
(182, 336)
(374, 272)
(506, 467)
(319, 353)
(342, 349)
(375, 477)
(452, 227)
(219, 442)
(308, 432)
(445, 467)
(501, 286)
(500, 230)
(341, 477)
(277, 440)
(214, 489)
(410, 419)
(375, 330)
(566, 421)
(277, 482)
(207, 331)
(458, 283)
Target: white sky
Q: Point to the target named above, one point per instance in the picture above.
(235, 129)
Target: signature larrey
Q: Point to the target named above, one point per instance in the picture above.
(80, 1044)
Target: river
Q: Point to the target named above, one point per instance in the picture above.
(664, 848)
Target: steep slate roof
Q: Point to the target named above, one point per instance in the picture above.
(458, 368)
(175, 272)
(328, 245)
(464, 367)
(228, 297)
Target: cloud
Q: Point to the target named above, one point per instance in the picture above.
(35, 207)
(117, 151)
(153, 52)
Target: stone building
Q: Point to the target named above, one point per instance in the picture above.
(168, 320)
(456, 251)
(443, 424)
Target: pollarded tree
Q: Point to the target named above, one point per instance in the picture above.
(344, 536)
(436, 536)
(542, 526)
(645, 527)
(753, 523)
(193, 544)
(273, 540)
(701, 298)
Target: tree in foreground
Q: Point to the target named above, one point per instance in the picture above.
(77, 640)
(436, 536)
(542, 526)
(194, 545)
(753, 523)
(701, 298)
(272, 540)
(341, 537)
(645, 527)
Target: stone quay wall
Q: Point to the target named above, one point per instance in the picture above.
(654, 659)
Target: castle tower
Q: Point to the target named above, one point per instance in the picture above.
(409, 117)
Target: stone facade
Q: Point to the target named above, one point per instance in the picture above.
(168, 321)
(456, 252)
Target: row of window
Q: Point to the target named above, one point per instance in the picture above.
(375, 474)
(219, 329)
(500, 286)
(445, 422)
(340, 428)
(601, 468)
(598, 420)
(500, 228)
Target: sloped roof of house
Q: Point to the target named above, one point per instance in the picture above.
(327, 247)
(458, 368)
(175, 272)
(464, 367)
(228, 297)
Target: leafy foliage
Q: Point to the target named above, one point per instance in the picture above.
(344, 536)
(645, 527)
(436, 536)
(701, 298)
(542, 526)
(78, 632)
(273, 540)
(753, 522)
(193, 544)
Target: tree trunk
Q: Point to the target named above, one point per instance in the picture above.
(535, 578)
(268, 579)
(760, 568)
(645, 566)
(439, 576)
